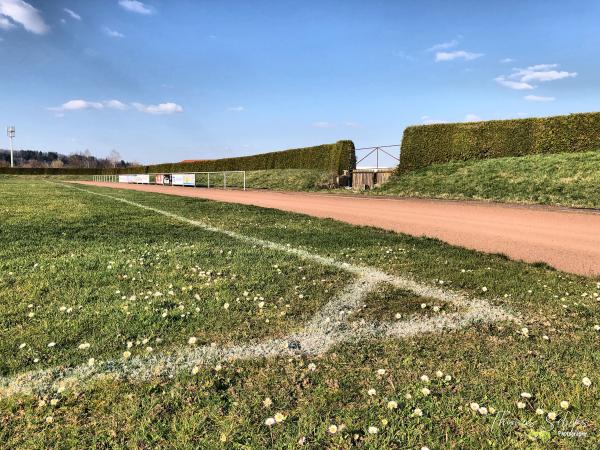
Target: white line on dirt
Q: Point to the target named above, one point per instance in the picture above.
(327, 328)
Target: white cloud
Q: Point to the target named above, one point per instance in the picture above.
(236, 108)
(323, 125)
(112, 33)
(443, 45)
(518, 85)
(507, 60)
(352, 124)
(136, 7)
(162, 108)
(458, 54)
(539, 98)
(78, 105)
(23, 13)
(72, 13)
(524, 78)
(472, 118)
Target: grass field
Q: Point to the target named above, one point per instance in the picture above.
(568, 179)
(128, 292)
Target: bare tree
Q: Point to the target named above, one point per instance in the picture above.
(114, 157)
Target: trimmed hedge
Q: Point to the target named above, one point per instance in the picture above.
(333, 158)
(439, 143)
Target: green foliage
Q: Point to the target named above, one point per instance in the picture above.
(334, 158)
(439, 143)
(567, 179)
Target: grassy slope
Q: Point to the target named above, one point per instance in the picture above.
(489, 364)
(568, 179)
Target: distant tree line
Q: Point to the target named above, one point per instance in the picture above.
(34, 158)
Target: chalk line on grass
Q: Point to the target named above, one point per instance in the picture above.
(327, 328)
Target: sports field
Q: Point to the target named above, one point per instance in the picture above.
(133, 319)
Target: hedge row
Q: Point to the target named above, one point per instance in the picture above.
(439, 143)
(333, 158)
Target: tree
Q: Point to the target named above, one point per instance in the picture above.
(56, 164)
(114, 157)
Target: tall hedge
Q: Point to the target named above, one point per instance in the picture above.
(334, 158)
(438, 143)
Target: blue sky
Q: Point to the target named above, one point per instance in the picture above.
(169, 80)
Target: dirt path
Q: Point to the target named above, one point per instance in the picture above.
(567, 240)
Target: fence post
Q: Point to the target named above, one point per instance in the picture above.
(209, 179)
(224, 180)
(244, 180)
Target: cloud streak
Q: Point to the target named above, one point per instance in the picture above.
(20, 12)
(112, 33)
(458, 54)
(136, 7)
(521, 79)
(80, 105)
(539, 98)
(72, 13)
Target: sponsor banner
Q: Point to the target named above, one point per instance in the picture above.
(142, 179)
(123, 178)
(159, 179)
(184, 179)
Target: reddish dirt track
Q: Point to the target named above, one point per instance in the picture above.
(568, 240)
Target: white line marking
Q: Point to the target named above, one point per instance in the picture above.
(327, 328)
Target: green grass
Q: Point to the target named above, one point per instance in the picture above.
(488, 364)
(567, 179)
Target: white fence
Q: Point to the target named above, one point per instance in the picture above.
(171, 179)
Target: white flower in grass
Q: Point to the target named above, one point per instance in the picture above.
(483, 411)
(42, 403)
(525, 331)
(407, 396)
(439, 374)
(270, 421)
(91, 362)
(371, 392)
(126, 354)
(552, 416)
(474, 406)
(392, 404)
(417, 412)
(484, 289)
(149, 349)
(597, 327)
(218, 368)
(332, 429)
(312, 367)
(539, 411)
(436, 308)
(525, 395)
(425, 392)
(30, 315)
(521, 405)
(398, 316)
(279, 417)
(54, 402)
(195, 370)
(492, 410)
(226, 306)
(564, 404)
(373, 430)
(49, 419)
(425, 378)
(129, 344)
(23, 345)
(424, 448)
(51, 344)
(192, 340)
(261, 305)
(423, 305)
(84, 346)
(60, 389)
(267, 402)
(380, 371)
(62, 308)
(586, 382)
(447, 378)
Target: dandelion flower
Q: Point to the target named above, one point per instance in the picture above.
(484, 289)
(423, 305)
(586, 382)
(474, 406)
(192, 340)
(407, 396)
(312, 367)
(425, 378)
(279, 417)
(49, 419)
(373, 430)
(425, 392)
(371, 392)
(417, 412)
(439, 374)
(392, 404)
(126, 354)
(483, 411)
(380, 371)
(539, 412)
(332, 429)
(564, 404)
(384, 422)
(267, 402)
(270, 421)
(447, 378)
(54, 402)
(521, 405)
(552, 415)
(91, 362)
